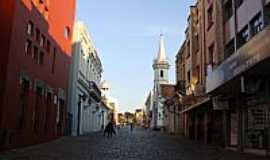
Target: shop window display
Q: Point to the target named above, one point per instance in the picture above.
(256, 135)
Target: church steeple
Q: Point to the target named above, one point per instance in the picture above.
(161, 58)
(161, 52)
(161, 64)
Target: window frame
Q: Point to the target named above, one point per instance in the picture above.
(210, 16)
(211, 51)
(256, 24)
(35, 53)
(228, 10)
(161, 74)
(30, 28)
(28, 47)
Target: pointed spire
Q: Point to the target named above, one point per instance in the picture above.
(161, 53)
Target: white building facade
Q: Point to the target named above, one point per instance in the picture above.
(111, 102)
(87, 113)
(161, 76)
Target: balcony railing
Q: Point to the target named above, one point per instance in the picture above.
(94, 91)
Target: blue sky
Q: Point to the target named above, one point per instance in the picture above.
(126, 35)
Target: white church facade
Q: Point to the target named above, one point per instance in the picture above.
(161, 76)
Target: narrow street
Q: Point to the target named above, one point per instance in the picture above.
(139, 145)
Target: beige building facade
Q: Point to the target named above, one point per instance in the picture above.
(221, 77)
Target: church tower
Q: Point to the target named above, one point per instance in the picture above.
(161, 68)
(161, 65)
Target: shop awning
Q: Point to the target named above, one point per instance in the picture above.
(196, 105)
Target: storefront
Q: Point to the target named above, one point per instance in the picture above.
(255, 120)
(243, 82)
(196, 117)
(256, 107)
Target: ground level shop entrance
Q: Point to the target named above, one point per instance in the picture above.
(247, 118)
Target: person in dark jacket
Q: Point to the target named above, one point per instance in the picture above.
(109, 130)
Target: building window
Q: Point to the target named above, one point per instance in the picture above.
(267, 14)
(82, 62)
(188, 77)
(28, 47)
(41, 58)
(30, 27)
(54, 59)
(60, 117)
(35, 53)
(24, 90)
(38, 103)
(238, 3)
(67, 32)
(188, 49)
(243, 36)
(48, 46)
(46, 12)
(211, 55)
(42, 41)
(198, 73)
(48, 111)
(197, 44)
(256, 24)
(256, 123)
(228, 10)
(229, 49)
(38, 35)
(210, 16)
(161, 73)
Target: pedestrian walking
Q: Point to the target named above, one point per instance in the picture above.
(131, 127)
(109, 130)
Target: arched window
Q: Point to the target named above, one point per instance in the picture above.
(67, 32)
(161, 73)
(30, 28)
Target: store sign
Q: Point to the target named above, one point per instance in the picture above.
(253, 52)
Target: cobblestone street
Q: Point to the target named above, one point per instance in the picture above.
(139, 145)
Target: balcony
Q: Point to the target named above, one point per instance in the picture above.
(256, 50)
(94, 91)
(199, 90)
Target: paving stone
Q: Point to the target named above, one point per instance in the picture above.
(139, 145)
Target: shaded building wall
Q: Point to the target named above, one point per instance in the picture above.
(203, 35)
(6, 17)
